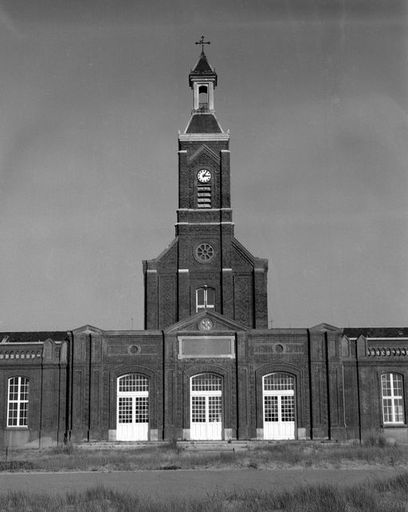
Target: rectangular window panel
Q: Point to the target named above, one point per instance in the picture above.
(18, 388)
(287, 408)
(271, 408)
(387, 410)
(210, 297)
(13, 415)
(200, 297)
(214, 409)
(399, 410)
(397, 385)
(125, 410)
(392, 398)
(141, 410)
(23, 414)
(198, 409)
(206, 346)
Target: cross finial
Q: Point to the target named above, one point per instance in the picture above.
(202, 42)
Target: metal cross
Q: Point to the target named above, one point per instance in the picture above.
(202, 42)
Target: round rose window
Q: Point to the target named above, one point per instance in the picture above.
(204, 253)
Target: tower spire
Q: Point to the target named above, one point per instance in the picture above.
(203, 80)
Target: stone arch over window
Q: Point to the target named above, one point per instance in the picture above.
(301, 394)
(18, 401)
(392, 398)
(228, 384)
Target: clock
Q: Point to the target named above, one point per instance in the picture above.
(204, 176)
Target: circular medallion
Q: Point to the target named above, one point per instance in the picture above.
(206, 324)
(279, 348)
(134, 349)
(204, 253)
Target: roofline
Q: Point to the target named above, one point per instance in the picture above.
(186, 137)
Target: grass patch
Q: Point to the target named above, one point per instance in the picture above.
(337, 455)
(171, 456)
(387, 496)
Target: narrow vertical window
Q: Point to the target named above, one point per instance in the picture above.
(203, 97)
(392, 391)
(17, 409)
(205, 299)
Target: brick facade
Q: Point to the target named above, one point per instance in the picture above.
(205, 316)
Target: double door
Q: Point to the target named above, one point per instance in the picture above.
(206, 407)
(279, 406)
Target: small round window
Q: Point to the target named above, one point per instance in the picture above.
(204, 253)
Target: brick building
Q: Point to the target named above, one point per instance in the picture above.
(206, 366)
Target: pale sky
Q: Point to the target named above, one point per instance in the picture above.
(92, 95)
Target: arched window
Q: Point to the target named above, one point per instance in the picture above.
(206, 406)
(203, 97)
(279, 406)
(17, 408)
(392, 391)
(205, 298)
(133, 407)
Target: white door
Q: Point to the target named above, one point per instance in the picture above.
(279, 406)
(206, 407)
(133, 408)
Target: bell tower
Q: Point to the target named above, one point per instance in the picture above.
(205, 267)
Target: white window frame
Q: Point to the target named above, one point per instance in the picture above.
(21, 403)
(205, 305)
(279, 405)
(133, 407)
(397, 417)
(206, 406)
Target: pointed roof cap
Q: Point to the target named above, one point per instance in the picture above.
(202, 69)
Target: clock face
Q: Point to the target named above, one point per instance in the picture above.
(204, 176)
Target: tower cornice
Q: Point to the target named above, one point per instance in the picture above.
(190, 137)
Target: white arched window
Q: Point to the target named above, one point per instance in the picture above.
(279, 406)
(206, 406)
(17, 407)
(205, 298)
(132, 408)
(392, 391)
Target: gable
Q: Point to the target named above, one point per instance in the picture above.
(204, 153)
(206, 322)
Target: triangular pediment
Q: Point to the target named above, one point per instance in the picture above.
(87, 329)
(204, 150)
(324, 327)
(206, 322)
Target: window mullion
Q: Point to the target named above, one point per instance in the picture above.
(19, 401)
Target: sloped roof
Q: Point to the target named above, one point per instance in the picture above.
(32, 336)
(202, 69)
(202, 65)
(376, 332)
(203, 123)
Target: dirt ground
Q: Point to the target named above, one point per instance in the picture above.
(166, 485)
